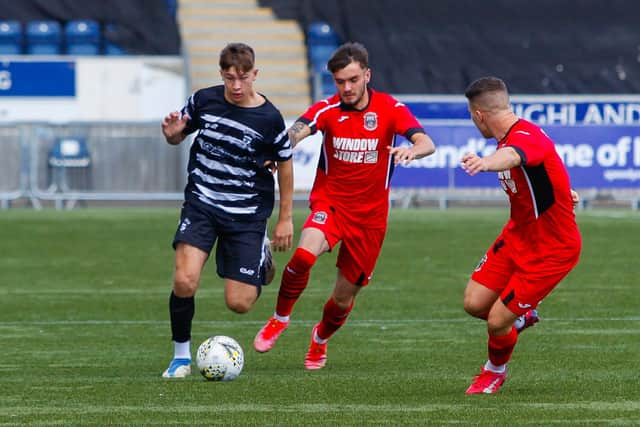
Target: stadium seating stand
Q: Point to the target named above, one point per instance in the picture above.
(82, 37)
(10, 38)
(43, 38)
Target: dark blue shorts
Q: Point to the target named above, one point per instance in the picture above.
(241, 248)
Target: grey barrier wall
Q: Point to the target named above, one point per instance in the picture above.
(107, 161)
(62, 164)
(13, 175)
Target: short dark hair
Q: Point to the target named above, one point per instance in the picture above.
(346, 54)
(237, 55)
(484, 85)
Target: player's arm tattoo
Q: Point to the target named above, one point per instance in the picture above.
(297, 132)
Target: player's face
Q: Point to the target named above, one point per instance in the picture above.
(351, 82)
(238, 84)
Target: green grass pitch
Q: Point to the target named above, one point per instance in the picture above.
(84, 331)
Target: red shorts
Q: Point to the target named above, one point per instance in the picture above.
(522, 282)
(360, 246)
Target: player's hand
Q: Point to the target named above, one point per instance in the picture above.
(471, 163)
(575, 197)
(402, 155)
(172, 126)
(282, 238)
(271, 165)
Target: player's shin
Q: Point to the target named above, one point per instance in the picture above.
(333, 317)
(501, 346)
(181, 311)
(294, 280)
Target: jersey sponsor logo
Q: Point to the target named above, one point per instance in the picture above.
(184, 224)
(342, 119)
(507, 183)
(356, 150)
(371, 157)
(370, 121)
(481, 263)
(319, 217)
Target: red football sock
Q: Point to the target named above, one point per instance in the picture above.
(333, 317)
(501, 347)
(294, 279)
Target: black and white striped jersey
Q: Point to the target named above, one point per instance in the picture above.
(226, 161)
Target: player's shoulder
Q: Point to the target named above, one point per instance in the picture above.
(270, 109)
(208, 94)
(524, 129)
(328, 103)
(324, 106)
(384, 98)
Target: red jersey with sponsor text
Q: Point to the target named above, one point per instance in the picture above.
(355, 167)
(542, 217)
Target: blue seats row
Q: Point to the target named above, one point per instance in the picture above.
(322, 41)
(78, 37)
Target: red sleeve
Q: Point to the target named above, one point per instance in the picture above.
(405, 122)
(532, 148)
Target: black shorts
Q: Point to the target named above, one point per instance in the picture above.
(241, 249)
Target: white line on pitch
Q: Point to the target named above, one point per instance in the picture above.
(259, 322)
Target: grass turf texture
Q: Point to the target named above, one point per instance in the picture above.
(85, 335)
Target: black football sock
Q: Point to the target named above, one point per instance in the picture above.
(181, 311)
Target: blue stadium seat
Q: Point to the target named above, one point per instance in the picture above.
(111, 48)
(43, 38)
(319, 55)
(82, 37)
(69, 153)
(321, 33)
(10, 38)
(327, 84)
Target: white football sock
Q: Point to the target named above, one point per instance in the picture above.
(182, 350)
(317, 339)
(500, 369)
(281, 318)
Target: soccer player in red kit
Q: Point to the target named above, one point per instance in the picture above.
(540, 243)
(349, 200)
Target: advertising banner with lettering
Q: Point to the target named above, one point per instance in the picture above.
(596, 157)
(568, 110)
(38, 79)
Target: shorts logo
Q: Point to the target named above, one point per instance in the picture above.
(370, 121)
(184, 224)
(524, 306)
(319, 217)
(481, 263)
(247, 271)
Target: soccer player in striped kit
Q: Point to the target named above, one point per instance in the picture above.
(350, 197)
(229, 195)
(539, 245)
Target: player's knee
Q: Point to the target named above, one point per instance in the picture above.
(475, 309)
(239, 306)
(302, 261)
(497, 327)
(184, 284)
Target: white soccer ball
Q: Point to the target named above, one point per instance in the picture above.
(220, 358)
